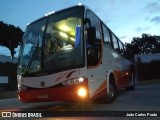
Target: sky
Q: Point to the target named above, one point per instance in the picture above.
(126, 18)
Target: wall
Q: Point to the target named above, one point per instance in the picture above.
(8, 70)
(147, 57)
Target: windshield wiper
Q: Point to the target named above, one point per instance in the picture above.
(32, 57)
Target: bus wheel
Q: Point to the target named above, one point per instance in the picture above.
(132, 86)
(111, 96)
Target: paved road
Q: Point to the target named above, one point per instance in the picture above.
(146, 97)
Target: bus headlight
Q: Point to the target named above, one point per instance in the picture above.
(69, 82)
(19, 78)
(22, 87)
(73, 81)
(82, 92)
(78, 80)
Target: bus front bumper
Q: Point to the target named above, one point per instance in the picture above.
(78, 92)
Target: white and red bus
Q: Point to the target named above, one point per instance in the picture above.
(71, 55)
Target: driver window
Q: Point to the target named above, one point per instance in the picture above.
(94, 51)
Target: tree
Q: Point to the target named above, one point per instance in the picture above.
(143, 45)
(10, 37)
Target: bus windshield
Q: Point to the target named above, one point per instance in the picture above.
(53, 43)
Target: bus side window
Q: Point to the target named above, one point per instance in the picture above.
(94, 23)
(106, 35)
(115, 43)
(121, 48)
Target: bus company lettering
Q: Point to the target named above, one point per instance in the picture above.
(34, 115)
(15, 114)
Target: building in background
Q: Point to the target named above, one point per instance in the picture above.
(146, 58)
(8, 73)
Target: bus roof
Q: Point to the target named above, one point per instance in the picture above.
(55, 12)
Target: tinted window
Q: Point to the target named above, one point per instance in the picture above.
(115, 42)
(106, 35)
(93, 60)
(121, 47)
(95, 23)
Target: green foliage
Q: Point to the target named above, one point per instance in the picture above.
(10, 36)
(143, 45)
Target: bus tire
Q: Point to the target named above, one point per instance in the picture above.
(111, 96)
(132, 86)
